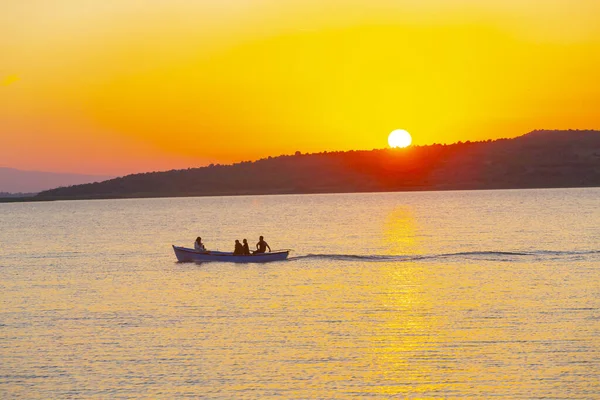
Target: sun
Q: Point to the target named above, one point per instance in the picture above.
(399, 138)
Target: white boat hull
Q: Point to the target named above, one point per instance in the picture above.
(184, 254)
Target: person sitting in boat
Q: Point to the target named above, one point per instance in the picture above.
(198, 245)
(239, 249)
(261, 246)
(246, 247)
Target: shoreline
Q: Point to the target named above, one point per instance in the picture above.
(284, 192)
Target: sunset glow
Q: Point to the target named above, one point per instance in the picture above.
(119, 87)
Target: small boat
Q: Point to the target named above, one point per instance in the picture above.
(185, 254)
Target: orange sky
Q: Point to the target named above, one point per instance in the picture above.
(119, 86)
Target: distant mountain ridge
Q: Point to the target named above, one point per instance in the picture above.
(16, 195)
(14, 180)
(536, 160)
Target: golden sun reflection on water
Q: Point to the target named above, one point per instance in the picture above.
(402, 333)
(400, 232)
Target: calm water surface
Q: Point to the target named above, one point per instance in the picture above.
(408, 295)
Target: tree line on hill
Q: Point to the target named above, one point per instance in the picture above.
(536, 160)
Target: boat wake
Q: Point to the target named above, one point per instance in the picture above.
(468, 255)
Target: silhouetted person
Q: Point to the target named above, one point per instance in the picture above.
(246, 248)
(198, 245)
(239, 249)
(261, 246)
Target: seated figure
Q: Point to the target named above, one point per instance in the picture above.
(198, 245)
(239, 249)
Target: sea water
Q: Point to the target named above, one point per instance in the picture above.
(391, 295)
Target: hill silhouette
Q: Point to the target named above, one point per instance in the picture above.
(538, 159)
